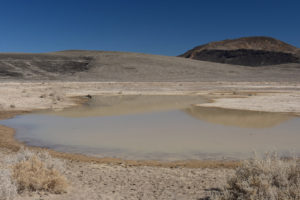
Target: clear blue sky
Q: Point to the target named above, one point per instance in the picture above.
(165, 27)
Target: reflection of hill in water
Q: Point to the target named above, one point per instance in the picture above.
(112, 105)
(239, 118)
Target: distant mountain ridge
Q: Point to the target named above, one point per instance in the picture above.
(249, 51)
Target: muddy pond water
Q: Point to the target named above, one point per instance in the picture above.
(159, 127)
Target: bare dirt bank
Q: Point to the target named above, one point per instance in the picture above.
(95, 181)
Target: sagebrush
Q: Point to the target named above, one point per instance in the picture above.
(33, 175)
(269, 178)
(31, 171)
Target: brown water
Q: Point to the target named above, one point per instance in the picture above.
(158, 127)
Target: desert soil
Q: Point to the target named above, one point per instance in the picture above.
(260, 96)
(110, 181)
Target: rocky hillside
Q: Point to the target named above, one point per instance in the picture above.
(26, 66)
(249, 51)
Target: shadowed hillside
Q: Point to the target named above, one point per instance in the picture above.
(27, 66)
(248, 51)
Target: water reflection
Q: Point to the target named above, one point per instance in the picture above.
(112, 105)
(238, 118)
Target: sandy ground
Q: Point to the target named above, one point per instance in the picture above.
(92, 179)
(288, 101)
(112, 182)
(271, 97)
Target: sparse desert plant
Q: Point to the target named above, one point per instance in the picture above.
(33, 175)
(8, 189)
(37, 171)
(25, 154)
(270, 178)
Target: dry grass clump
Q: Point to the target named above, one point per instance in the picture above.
(33, 175)
(270, 178)
(37, 172)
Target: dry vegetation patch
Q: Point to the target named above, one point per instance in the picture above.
(28, 171)
(33, 175)
(270, 178)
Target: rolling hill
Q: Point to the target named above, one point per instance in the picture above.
(106, 66)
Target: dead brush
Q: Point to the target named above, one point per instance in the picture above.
(270, 178)
(37, 171)
(32, 175)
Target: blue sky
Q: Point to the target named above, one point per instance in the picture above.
(165, 27)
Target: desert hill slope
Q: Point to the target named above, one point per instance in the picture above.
(78, 65)
(249, 51)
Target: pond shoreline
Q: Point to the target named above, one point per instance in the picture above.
(9, 143)
(107, 178)
(58, 95)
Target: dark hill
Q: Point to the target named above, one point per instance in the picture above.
(249, 51)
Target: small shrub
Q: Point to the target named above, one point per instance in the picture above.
(37, 171)
(270, 178)
(33, 175)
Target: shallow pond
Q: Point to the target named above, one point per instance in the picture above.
(160, 127)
